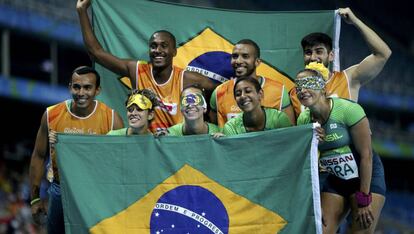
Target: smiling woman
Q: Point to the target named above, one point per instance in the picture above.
(249, 94)
(193, 107)
(140, 106)
(353, 177)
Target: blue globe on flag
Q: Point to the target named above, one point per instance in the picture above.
(189, 209)
(215, 65)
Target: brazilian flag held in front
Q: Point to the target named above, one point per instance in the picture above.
(261, 182)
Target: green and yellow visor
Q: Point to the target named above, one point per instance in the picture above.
(193, 99)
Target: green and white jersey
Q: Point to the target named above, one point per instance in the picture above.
(335, 151)
(274, 119)
(344, 114)
(118, 132)
(122, 132)
(177, 130)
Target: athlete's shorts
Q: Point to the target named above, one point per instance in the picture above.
(332, 184)
(55, 220)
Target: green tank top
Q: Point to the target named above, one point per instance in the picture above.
(121, 132)
(336, 155)
(274, 119)
(344, 114)
(177, 130)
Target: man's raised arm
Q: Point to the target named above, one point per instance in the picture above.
(123, 67)
(372, 65)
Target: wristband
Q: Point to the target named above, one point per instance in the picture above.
(34, 201)
(363, 199)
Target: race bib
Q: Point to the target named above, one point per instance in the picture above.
(343, 166)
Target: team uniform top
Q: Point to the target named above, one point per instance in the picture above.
(120, 132)
(335, 151)
(223, 102)
(168, 113)
(274, 119)
(177, 130)
(61, 119)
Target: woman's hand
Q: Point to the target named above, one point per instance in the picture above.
(365, 217)
(320, 134)
(217, 135)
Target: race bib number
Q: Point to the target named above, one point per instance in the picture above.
(343, 166)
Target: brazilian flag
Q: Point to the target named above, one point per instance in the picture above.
(262, 182)
(205, 39)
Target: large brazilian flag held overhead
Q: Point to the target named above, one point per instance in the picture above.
(263, 182)
(205, 38)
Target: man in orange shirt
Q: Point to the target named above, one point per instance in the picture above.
(317, 47)
(81, 115)
(158, 75)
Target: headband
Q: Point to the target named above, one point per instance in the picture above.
(310, 82)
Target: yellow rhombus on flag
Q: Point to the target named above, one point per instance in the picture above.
(243, 215)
